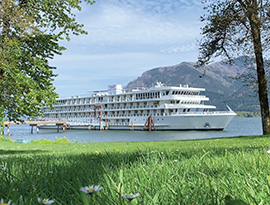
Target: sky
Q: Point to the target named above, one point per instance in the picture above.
(126, 38)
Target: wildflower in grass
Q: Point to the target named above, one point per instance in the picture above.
(90, 189)
(268, 151)
(130, 197)
(44, 201)
(3, 203)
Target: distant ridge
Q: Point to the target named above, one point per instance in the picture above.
(215, 78)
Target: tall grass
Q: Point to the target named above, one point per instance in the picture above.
(179, 172)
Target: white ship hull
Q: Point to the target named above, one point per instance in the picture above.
(209, 121)
(157, 108)
(213, 121)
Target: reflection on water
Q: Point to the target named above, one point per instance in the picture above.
(237, 127)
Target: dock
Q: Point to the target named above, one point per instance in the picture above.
(37, 124)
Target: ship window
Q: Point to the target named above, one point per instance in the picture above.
(167, 92)
(188, 110)
(184, 110)
(173, 92)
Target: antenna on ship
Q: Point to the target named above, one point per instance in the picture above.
(159, 84)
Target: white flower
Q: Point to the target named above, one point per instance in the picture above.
(130, 196)
(44, 201)
(2, 202)
(90, 189)
(268, 151)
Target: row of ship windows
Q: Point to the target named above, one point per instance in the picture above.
(124, 115)
(184, 93)
(136, 111)
(124, 98)
(101, 99)
(83, 116)
(129, 107)
(92, 109)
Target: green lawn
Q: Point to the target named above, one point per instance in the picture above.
(167, 172)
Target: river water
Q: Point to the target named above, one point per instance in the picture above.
(237, 127)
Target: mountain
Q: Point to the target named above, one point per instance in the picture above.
(217, 78)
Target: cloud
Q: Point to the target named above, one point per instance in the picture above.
(180, 48)
(139, 22)
(126, 38)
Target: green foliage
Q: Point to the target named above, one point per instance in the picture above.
(30, 37)
(2, 118)
(214, 171)
(57, 141)
(248, 114)
(5, 139)
(233, 28)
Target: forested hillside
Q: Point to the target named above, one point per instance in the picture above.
(217, 78)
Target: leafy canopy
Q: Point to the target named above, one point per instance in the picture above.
(227, 28)
(29, 37)
(239, 27)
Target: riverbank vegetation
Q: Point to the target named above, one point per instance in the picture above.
(212, 171)
(248, 114)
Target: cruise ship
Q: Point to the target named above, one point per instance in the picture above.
(157, 108)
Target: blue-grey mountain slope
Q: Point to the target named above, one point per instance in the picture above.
(217, 78)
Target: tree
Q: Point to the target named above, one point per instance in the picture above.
(29, 36)
(239, 27)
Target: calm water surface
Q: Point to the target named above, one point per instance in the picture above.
(237, 127)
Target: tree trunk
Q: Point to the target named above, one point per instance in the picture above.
(262, 82)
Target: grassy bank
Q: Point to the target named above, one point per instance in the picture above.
(169, 172)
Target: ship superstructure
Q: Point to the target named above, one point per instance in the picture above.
(159, 107)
